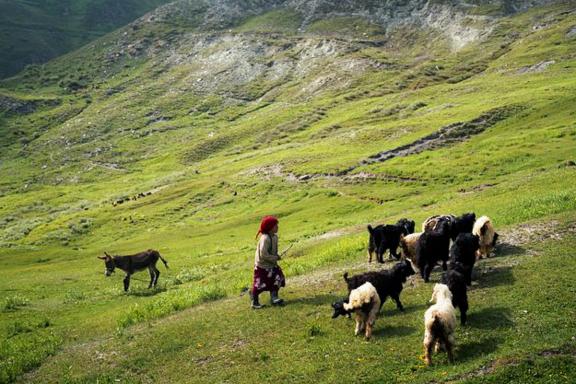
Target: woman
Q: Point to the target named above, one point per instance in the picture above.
(267, 273)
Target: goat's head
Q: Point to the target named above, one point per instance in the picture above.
(109, 264)
(495, 238)
(338, 308)
(407, 268)
(441, 292)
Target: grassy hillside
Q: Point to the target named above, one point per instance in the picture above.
(33, 32)
(225, 127)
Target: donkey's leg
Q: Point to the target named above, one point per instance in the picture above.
(152, 276)
(157, 275)
(126, 282)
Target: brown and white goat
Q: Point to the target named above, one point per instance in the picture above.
(484, 229)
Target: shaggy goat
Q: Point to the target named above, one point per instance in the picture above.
(464, 250)
(455, 278)
(407, 224)
(463, 224)
(364, 302)
(387, 282)
(456, 225)
(432, 247)
(484, 229)
(440, 322)
(408, 246)
(432, 223)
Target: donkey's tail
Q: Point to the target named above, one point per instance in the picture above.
(164, 261)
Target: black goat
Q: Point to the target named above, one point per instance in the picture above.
(387, 282)
(134, 263)
(463, 250)
(407, 224)
(462, 224)
(455, 278)
(431, 248)
(387, 237)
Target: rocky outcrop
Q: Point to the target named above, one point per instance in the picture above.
(461, 22)
(22, 107)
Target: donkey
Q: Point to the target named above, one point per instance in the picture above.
(134, 263)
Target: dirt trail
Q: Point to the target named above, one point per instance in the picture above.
(445, 136)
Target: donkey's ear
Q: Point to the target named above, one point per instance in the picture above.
(101, 258)
(106, 253)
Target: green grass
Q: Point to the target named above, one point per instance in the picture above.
(284, 21)
(219, 159)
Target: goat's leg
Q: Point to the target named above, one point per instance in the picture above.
(463, 309)
(380, 252)
(428, 343)
(396, 298)
(450, 348)
(439, 346)
(359, 326)
(428, 271)
(394, 253)
(422, 270)
(463, 316)
(371, 249)
(126, 282)
(369, 325)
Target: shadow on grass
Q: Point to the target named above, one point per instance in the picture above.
(495, 276)
(391, 310)
(490, 318)
(144, 292)
(390, 330)
(474, 349)
(507, 249)
(325, 299)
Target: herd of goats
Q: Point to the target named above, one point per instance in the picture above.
(471, 240)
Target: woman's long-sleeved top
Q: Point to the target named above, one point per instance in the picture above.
(267, 252)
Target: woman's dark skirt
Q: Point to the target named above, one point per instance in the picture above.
(267, 280)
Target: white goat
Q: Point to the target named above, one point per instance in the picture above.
(440, 322)
(365, 303)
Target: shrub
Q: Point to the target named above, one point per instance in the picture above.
(12, 303)
(72, 297)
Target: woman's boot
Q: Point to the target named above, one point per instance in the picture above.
(275, 299)
(254, 303)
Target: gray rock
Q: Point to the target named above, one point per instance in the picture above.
(541, 66)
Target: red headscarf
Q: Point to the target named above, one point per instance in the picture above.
(266, 225)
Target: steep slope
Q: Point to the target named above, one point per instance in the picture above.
(33, 32)
(179, 131)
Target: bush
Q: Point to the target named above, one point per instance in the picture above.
(12, 303)
(73, 297)
(187, 275)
